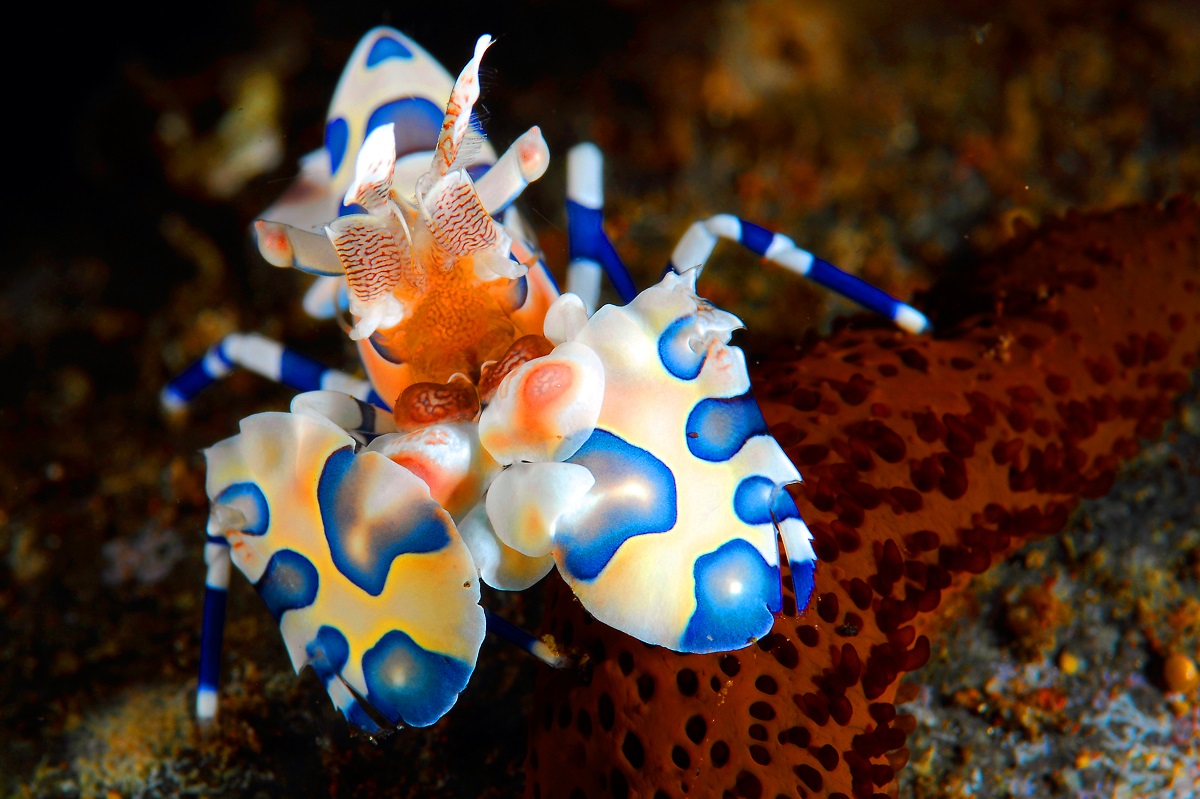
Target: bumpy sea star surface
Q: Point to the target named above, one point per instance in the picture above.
(926, 461)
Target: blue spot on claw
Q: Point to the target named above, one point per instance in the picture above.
(411, 685)
(736, 591)
(347, 522)
(757, 501)
(328, 653)
(718, 427)
(634, 495)
(676, 354)
(250, 500)
(289, 583)
(752, 499)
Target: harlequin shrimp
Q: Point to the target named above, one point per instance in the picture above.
(505, 428)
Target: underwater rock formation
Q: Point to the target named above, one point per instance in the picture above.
(926, 460)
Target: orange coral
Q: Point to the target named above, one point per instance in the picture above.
(926, 461)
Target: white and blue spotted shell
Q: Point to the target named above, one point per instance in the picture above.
(661, 498)
(367, 576)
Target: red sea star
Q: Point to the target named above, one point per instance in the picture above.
(926, 461)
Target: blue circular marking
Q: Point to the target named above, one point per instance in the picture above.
(290, 582)
(589, 538)
(718, 427)
(418, 123)
(752, 499)
(250, 500)
(758, 500)
(337, 137)
(735, 593)
(387, 47)
(328, 652)
(409, 684)
(676, 353)
(342, 491)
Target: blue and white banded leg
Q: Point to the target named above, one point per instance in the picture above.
(268, 358)
(591, 251)
(212, 633)
(697, 244)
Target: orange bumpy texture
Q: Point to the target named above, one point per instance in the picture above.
(926, 461)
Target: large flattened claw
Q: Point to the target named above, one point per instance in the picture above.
(676, 540)
(367, 576)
